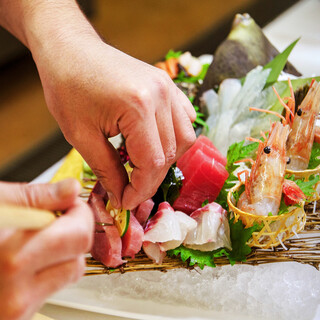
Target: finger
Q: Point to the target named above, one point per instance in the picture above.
(57, 196)
(166, 130)
(105, 162)
(70, 235)
(181, 99)
(56, 277)
(146, 153)
(184, 132)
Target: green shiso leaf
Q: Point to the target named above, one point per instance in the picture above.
(306, 186)
(315, 156)
(277, 64)
(239, 236)
(173, 54)
(201, 258)
(87, 172)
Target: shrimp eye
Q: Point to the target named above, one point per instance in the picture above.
(299, 112)
(267, 150)
(289, 160)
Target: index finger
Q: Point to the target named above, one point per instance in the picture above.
(146, 154)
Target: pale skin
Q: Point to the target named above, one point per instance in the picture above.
(35, 264)
(94, 91)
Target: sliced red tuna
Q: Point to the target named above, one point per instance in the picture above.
(143, 211)
(202, 143)
(204, 179)
(132, 239)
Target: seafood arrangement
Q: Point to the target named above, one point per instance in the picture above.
(216, 206)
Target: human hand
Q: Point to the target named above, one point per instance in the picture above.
(34, 264)
(95, 92)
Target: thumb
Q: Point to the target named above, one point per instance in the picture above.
(105, 162)
(56, 196)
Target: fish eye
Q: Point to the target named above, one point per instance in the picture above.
(299, 112)
(267, 149)
(289, 160)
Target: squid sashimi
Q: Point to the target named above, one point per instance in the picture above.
(212, 231)
(132, 240)
(143, 211)
(167, 228)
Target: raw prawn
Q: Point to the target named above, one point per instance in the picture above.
(301, 137)
(302, 124)
(264, 186)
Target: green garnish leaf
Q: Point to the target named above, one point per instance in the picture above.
(277, 64)
(306, 186)
(204, 203)
(315, 156)
(87, 172)
(239, 236)
(173, 54)
(201, 258)
(199, 120)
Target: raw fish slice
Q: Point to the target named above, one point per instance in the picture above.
(142, 212)
(168, 228)
(107, 244)
(203, 143)
(132, 240)
(212, 230)
(153, 251)
(204, 183)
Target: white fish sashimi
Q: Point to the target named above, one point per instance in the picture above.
(212, 230)
(153, 251)
(167, 229)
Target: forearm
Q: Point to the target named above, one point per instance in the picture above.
(45, 26)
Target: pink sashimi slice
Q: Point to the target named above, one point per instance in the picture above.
(132, 239)
(143, 211)
(107, 244)
(212, 230)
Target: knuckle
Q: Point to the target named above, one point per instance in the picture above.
(157, 163)
(16, 305)
(171, 155)
(11, 266)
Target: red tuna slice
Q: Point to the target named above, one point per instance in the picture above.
(132, 240)
(107, 244)
(204, 181)
(203, 143)
(142, 212)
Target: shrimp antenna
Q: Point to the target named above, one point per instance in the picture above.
(271, 112)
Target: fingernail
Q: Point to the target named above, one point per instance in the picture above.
(113, 199)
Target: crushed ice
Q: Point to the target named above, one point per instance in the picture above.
(275, 291)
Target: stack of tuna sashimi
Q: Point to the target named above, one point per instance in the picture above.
(186, 223)
(203, 168)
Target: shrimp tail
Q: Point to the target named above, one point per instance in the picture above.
(292, 193)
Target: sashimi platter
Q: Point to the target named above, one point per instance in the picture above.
(234, 228)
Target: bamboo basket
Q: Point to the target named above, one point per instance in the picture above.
(306, 175)
(274, 229)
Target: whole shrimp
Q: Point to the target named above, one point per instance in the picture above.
(302, 125)
(301, 137)
(264, 186)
